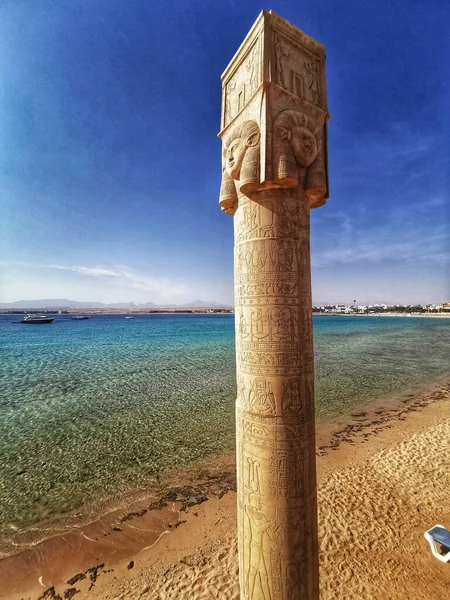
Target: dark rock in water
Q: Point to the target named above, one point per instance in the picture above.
(131, 515)
(222, 492)
(50, 594)
(187, 495)
(93, 574)
(180, 523)
(130, 565)
(76, 578)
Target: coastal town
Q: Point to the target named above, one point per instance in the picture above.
(370, 309)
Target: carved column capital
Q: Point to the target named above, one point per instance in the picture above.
(274, 115)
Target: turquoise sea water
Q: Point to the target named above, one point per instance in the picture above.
(92, 409)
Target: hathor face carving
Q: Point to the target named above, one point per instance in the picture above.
(295, 143)
(234, 156)
(240, 165)
(301, 140)
(304, 146)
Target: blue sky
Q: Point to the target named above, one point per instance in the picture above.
(110, 165)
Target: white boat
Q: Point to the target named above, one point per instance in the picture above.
(37, 319)
(128, 317)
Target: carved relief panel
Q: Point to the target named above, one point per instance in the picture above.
(269, 572)
(243, 82)
(298, 70)
(272, 216)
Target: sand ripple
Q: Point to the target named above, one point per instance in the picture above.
(372, 518)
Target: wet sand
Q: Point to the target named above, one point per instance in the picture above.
(383, 476)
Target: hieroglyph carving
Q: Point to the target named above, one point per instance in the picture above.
(271, 218)
(286, 473)
(267, 325)
(251, 66)
(272, 575)
(229, 110)
(280, 57)
(260, 542)
(313, 70)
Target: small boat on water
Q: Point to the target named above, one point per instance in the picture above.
(128, 317)
(80, 317)
(36, 319)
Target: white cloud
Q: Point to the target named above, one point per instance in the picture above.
(97, 283)
(92, 271)
(404, 236)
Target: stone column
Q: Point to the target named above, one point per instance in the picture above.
(274, 170)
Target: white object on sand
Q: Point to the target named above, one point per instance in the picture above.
(439, 535)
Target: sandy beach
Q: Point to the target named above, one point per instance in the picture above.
(383, 476)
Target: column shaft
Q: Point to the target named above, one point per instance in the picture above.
(277, 500)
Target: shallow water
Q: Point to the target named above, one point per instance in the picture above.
(92, 409)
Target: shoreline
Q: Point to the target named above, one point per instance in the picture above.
(199, 311)
(383, 314)
(67, 312)
(141, 522)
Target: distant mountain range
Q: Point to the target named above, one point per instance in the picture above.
(59, 303)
